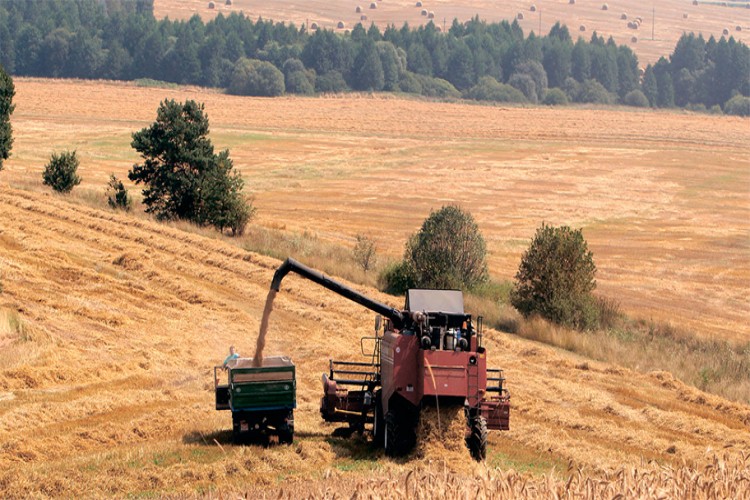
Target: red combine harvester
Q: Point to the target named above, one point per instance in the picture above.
(429, 353)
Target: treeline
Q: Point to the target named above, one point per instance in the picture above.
(121, 39)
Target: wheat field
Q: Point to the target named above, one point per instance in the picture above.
(111, 323)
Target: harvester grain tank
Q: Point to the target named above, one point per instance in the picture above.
(430, 353)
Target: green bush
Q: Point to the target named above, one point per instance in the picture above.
(489, 89)
(525, 84)
(60, 172)
(437, 87)
(555, 97)
(448, 251)
(410, 83)
(299, 82)
(117, 195)
(556, 279)
(594, 92)
(256, 78)
(636, 98)
(331, 82)
(396, 278)
(738, 105)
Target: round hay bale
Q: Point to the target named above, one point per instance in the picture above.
(623, 16)
(695, 2)
(373, 5)
(228, 2)
(725, 31)
(738, 28)
(340, 25)
(358, 9)
(314, 26)
(634, 39)
(363, 17)
(631, 25)
(419, 4)
(424, 12)
(211, 5)
(520, 16)
(532, 8)
(605, 7)
(582, 28)
(572, 2)
(430, 15)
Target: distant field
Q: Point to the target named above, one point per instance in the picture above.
(664, 21)
(111, 324)
(663, 198)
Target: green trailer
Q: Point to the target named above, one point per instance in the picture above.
(261, 399)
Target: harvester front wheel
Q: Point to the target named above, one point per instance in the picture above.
(378, 426)
(400, 435)
(477, 439)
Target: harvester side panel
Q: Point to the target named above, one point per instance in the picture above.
(398, 365)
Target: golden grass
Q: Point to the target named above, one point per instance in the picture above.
(112, 393)
(721, 477)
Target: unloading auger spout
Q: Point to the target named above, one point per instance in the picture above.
(397, 317)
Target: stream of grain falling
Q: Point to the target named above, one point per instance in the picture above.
(261, 343)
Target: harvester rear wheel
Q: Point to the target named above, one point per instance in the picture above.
(477, 440)
(400, 435)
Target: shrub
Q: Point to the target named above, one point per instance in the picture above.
(396, 278)
(364, 252)
(437, 87)
(525, 84)
(448, 251)
(410, 83)
(555, 97)
(595, 93)
(256, 78)
(489, 89)
(556, 277)
(117, 195)
(738, 105)
(636, 98)
(572, 88)
(60, 172)
(331, 82)
(299, 83)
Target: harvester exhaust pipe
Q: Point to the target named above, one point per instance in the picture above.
(397, 317)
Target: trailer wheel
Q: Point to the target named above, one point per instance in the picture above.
(378, 426)
(477, 440)
(286, 430)
(400, 435)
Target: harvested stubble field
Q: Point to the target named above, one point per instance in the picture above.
(668, 19)
(112, 323)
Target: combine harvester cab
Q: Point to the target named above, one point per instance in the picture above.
(430, 353)
(262, 399)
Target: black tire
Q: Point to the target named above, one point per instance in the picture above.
(477, 440)
(378, 426)
(400, 435)
(285, 430)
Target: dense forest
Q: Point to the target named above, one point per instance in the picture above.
(121, 39)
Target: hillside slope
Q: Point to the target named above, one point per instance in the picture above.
(107, 385)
